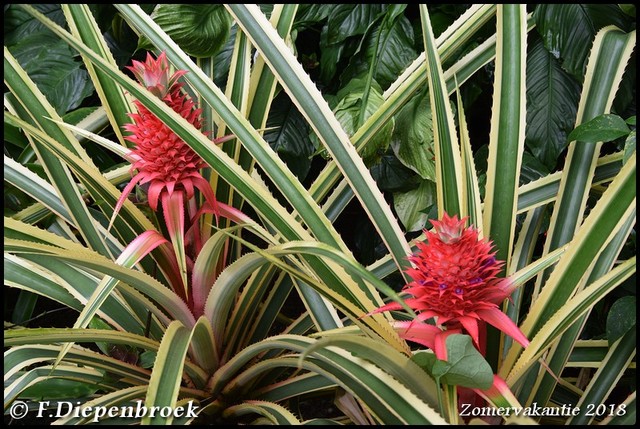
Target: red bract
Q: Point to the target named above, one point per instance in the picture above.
(455, 280)
(162, 158)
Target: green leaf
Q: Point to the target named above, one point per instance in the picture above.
(78, 115)
(290, 138)
(351, 20)
(392, 176)
(114, 100)
(13, 135)
(466, 367)
(119, 351)
(18, 23)
(610, 371)
(309, 14)
(164, 384)
(330, 56)
(532, 169)
(629, 146)
(621, 318)
(392, 55)
(425, 360)
(411, 205)
(347, 110)
(49, 63)
(568, 30)
(385, 397)
(147, 359)
(58, 388)
(613, 48)
(447, 152)
(200, 30)
(273, 413)
(412, 139)
(552, 103)
(602, 128)
(222, 60)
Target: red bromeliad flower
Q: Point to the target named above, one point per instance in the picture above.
(162, 158)
(171, 169)
(455, 281)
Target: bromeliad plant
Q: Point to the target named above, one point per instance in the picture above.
(204, 271)
(170, 169)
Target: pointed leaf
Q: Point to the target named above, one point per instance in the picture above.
(465, 366)
(411, 206)
(200, 30)
(602, 128)
(621, 318)
(568, 30)
(447, 149)
(173, 207)
(166, 377)
(412, 140)
(552, 103)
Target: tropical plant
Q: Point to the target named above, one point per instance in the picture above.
(214, 273)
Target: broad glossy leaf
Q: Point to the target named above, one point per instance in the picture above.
(19, 23)
(14, 136)
(389, 49)
(50, 64)
(312, 13)
(621, 318)
(79, 114)
(568, 30)
(222, 60)
(290, 137)
(347, 108)
(201, 30)
(630, 146)
(532, 169)
(391, 175)
(552, 103)
(412, 139)
(602, 128)
(411, 206)
(465, 365)
(330, 56)
(347, 20)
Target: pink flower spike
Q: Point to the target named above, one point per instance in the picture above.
(155, 74)
(455, 279)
